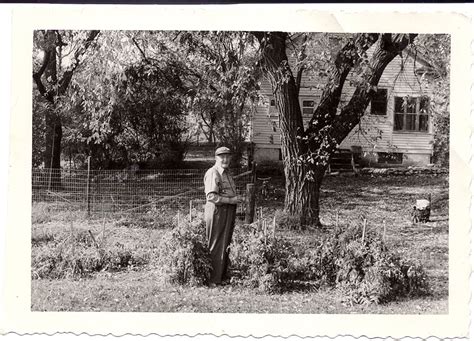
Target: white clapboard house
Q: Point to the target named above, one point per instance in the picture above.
(396, 129)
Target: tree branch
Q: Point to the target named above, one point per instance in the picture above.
(37, 75)
(67, 76)
(274, 60)
(388, 48)
(201, 112)
(301, 68)
(140, 49)
(345, 60)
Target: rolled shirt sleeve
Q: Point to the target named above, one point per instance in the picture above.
(211, 181)
(217, 199)
(212, 188)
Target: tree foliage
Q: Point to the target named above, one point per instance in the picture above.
(125, 109)
(226, 83)
(110, 106)
(217, 73)
(148, 122)
(435, 49)
(125, 96)
(57, 55)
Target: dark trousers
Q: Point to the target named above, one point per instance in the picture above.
(220, 221)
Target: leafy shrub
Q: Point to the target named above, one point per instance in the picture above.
(262, 261)
(184, 257)
(145, 99)
(364, 272)
(286, 221)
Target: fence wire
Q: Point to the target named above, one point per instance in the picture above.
(125, 191)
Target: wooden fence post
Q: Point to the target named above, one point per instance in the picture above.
(88, 185)
(274, 226)
(191, 210)
(363, 230)
(254, 172)
(250, 207)
(384, 230)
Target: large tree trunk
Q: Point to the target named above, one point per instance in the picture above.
(302, 189)
(52, 153)
(53, 131)
(302, 186)
(302, 193)
(307, 152)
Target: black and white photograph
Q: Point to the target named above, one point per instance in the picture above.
(204, 171)
(246, 173)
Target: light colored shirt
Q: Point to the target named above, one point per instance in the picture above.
(219, 185)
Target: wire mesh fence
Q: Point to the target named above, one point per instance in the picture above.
(125, 191)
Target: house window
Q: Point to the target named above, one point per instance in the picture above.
(411, 114)
(378, 104)
(307, 108)
(273, 117)
(275, 123)
(390, 158)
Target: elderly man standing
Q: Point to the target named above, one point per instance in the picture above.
(219, 214)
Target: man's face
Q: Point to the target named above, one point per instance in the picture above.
(223, 160)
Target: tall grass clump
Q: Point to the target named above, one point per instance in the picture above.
(183, 254)
(40, 213)
(75, 253)
(153, 218)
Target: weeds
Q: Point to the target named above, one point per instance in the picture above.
(154, 218)
(41, 236)
(344, 269)
(262, 260)
(76, 253)
(354, 261)
(366, 271)
(40, 213)
(183, 254)
(287, 221)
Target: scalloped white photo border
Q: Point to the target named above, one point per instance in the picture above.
(16, 315)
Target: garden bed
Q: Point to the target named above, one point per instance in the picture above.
(138, 285)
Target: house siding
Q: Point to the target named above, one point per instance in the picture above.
(375, 132)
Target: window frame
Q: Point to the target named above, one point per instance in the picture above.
(275, 124)
(417, 114)
(302, 107)
(390, 158)
(385, 114)
(273, 118)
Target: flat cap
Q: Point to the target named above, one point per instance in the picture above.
(222, 150)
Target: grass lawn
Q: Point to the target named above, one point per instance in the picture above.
(140, 286)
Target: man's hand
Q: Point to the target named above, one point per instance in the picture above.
(237, 199)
